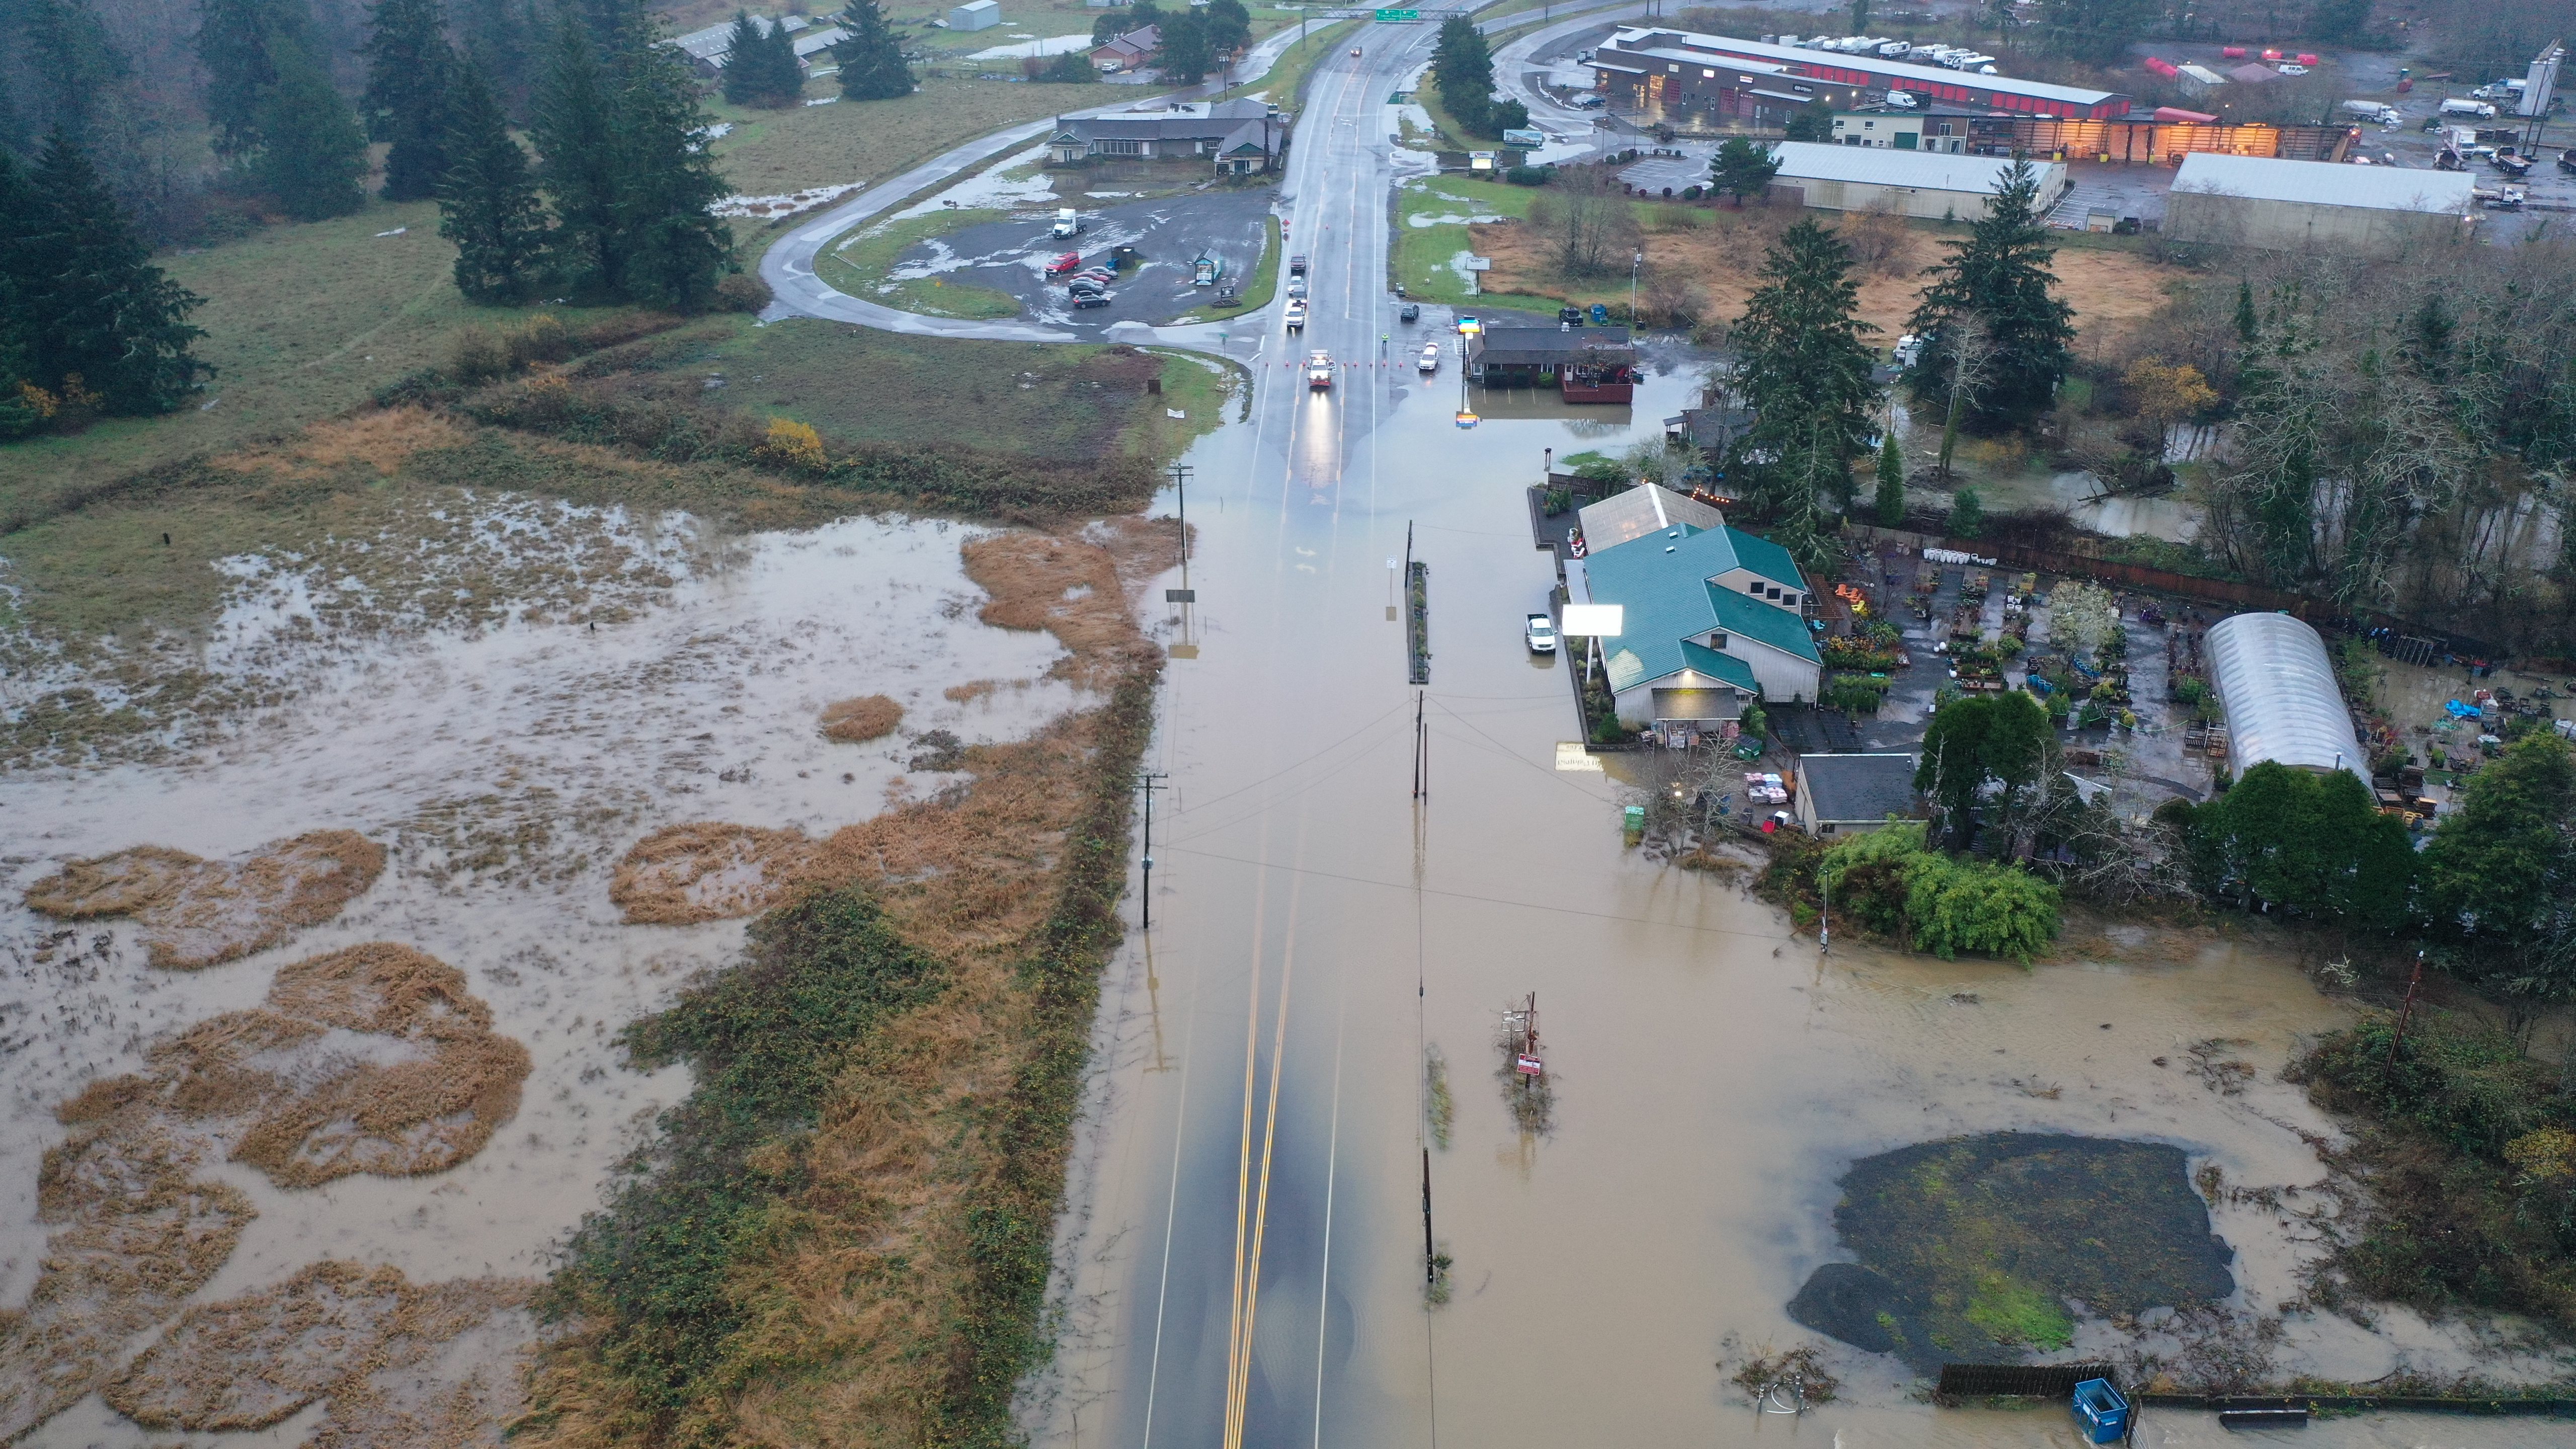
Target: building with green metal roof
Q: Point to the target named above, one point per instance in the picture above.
(1712, 619)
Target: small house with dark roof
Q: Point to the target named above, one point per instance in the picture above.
(1240, 137)
(1712, 620)
(1130, 51)
(1854, 794)
(1586, 364)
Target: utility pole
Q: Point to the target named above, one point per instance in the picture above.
(1181, 483)
(1149, 784)
(1825, 919)
(1430, 1256)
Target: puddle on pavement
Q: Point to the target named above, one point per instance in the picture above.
(503, 770)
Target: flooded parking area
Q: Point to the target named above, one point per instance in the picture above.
(311, 1027)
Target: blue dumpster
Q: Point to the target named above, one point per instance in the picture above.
(2100, 1412)
(1600, 314)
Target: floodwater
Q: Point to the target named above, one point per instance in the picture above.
(539, 753)
(1243, 1255)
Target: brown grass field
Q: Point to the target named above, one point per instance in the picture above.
(1721, 249)
(197, 913)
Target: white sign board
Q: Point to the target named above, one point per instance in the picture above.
(1601, 621)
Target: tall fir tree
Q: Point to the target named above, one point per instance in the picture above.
(871, 59)
(1889, 503)
(1229, 26)
(313, 154)
(760, 64)
(20, 210)
(672, 253)
(487, 201)
(1802, 367)
(1462, 67)
(576, 138)
(409, 72)
(1999, 274)
(1185, 54)
(76, 62)
(234, 46)
(94, 306)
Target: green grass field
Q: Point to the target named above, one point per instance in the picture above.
(1422, 255)
(1285, 83)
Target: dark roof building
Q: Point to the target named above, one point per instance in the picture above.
(1849, 794)
(1587, 364)
(1240, 136)
(1128, 51)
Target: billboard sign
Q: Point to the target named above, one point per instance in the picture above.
(2542, 82)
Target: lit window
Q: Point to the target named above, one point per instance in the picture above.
(1708, 75)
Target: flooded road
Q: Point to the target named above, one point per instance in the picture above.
(1243, 1260)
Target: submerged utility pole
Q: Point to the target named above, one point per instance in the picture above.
(1181, 483)
(1149, 784)
(1421, 765)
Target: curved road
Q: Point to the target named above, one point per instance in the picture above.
(788, 265)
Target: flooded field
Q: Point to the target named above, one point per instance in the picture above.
(309, 1022)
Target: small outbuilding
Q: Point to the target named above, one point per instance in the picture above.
(2278, 685)
(1854, 794)
(1930, 184)
(2256, 201)
(976, 15)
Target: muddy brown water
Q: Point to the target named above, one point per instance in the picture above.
(541, 752)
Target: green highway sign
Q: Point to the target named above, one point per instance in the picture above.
(1390, 17)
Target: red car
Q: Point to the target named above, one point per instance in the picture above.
(1063, 264)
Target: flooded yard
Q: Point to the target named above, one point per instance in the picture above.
(310, 1020)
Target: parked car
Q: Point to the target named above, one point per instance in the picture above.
(1573, 315)
(1069, 262)
(1093, 299)
(1589, 101)
(1541, 633)
(1319, 369)
(1409, 312)
(1429, 361)
(1296, 315)
(1082, 288)
(1468, 326)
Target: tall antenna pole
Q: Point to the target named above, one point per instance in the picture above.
(1149, 784)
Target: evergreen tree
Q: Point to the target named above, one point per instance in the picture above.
(1741, 168)
(1890, 502)
(1999, 274)
(487, 201)
(1185, 55)
(871, 59)
(91, 304)
(1803, 369)
(409, 74)
(1071, 68)
(760, 64)
(1229, 26)
(1967, 514)
(234, 41)
(1462, 67)
(73, 59)
(671, 252)
(576, 139)
(1126, 20)
(312, 153)
(2096, 32)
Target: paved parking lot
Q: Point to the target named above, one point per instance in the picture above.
(1169, 233)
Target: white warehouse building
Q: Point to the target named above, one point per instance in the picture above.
(1929, 184)
(2256, 201)
(2278, 686)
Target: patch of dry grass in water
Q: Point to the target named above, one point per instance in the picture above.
(868, 1261)
(857, 721)
(197, 913)
(279, 1088)
(362, 1338)
(1078, 586)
